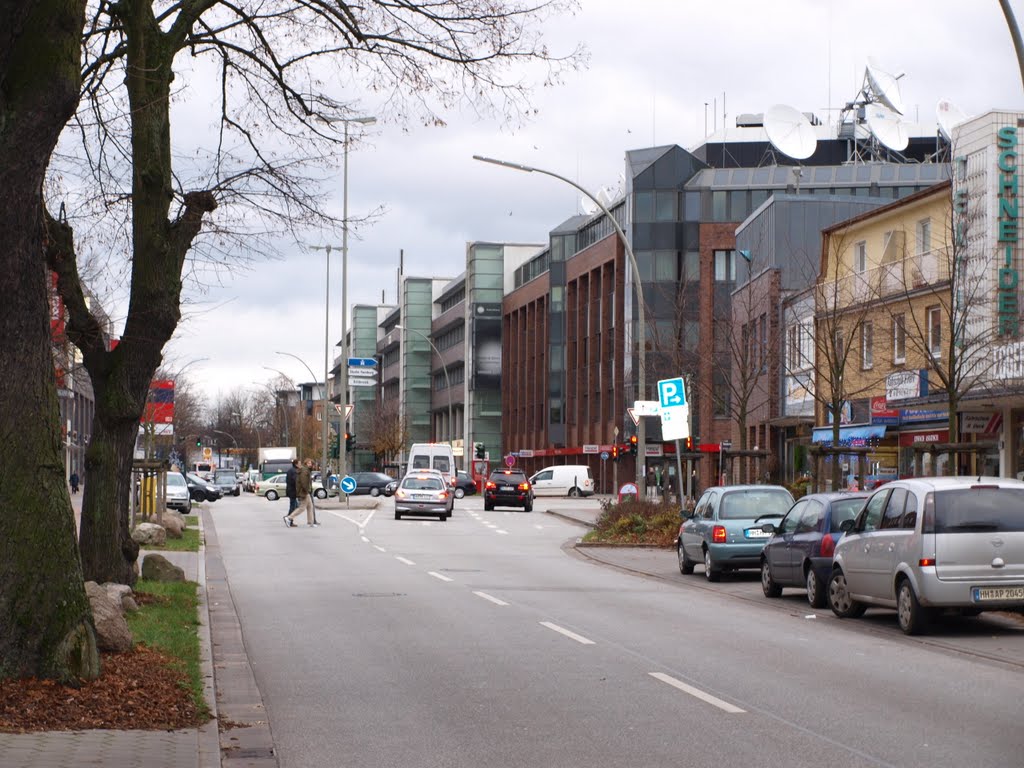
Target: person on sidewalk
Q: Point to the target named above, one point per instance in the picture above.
(74, 482)
(304, 495)
(289, 486)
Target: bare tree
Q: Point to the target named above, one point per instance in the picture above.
(389, 432)
(283, 72)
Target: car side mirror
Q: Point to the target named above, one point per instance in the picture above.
(847, 525)
(768, 527)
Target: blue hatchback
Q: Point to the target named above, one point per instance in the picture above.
(799, 552)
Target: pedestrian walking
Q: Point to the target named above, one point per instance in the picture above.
(289, 486)
(74, 482)
(303, 495)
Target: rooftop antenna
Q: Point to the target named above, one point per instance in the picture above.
(790, 132)
(870, 123)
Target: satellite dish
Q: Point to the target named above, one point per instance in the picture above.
(885, 87)
(790, 132)
(949, 115)
(605, 195)
(885, 125)
(589, 206)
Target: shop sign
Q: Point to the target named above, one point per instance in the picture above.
(654, 450)
(980, 423)
(1007, 233)
(1009, 361)
(909, 416)
(908, 439)
(903, 385)
(881, 413)
(526, 453)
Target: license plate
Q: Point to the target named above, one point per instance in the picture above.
(508, 488)
(421, 497)
(756, 533)
(986, 594)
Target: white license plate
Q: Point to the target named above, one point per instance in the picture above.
(756, 533)
(421, 497)
(986, 594)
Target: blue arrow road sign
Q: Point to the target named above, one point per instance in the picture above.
(361, 362)
(348, 484)
(671, 392)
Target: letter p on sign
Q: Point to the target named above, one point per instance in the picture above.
(671, 393)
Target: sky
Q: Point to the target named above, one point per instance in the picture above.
(660, 72)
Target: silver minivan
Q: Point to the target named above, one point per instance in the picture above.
(925, 544)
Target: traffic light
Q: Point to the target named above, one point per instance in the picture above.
(350, 441)
(199, 442)
(480, 450)
(615, 452)
(688, 443)
(632, 445)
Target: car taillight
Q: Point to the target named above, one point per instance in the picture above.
(924, 562)
(718, 534)
(490, 484)
(524, 486)
(828, 545)
(444, 495)
(399, 494)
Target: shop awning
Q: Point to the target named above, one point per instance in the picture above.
(848, 435)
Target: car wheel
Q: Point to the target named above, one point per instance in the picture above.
(375, 492)
(444, 517)
(488, 507)
(320, 493)
(815, 590)
(459, 493)
(768, 585)
(528, 507)
(272, 496)
(196, 495)
(913, 617)
(237, 492)
(710, 572)
(398, 515)
(839, 600)
(685, 563)
(574, 491)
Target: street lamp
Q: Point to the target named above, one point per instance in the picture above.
(343, 379)
(323, 415)
(641, 431)
(447, 381)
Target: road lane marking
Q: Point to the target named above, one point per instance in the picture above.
(493, 599)
(365, 539)
(571, 635)
(697, 693)
(405, 560)
(440, 576)
(501, 531)
(379, 548)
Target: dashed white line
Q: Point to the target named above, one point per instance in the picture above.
(440, 576)
(493, 599)
(365, 539)
(379, 548)
(697, 693)
(571, 635)
(405, 560)
(501, 531)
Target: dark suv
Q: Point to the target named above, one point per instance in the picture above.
(508, 488)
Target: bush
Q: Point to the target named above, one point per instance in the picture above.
(636, 522)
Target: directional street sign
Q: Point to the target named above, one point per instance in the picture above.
(361, 362)
(348, 484)
(362, 382)
(673, 409)
(348, 409)
(363, 372)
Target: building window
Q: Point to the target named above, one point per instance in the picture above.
(665, 205)
(934, 315)
(924, 236)
(838, 346)
(665, 266)
(899, 338)
(860, 257)
(763, 321)
(725, 266)
(643, 207)
(867, 341)
(691, 266)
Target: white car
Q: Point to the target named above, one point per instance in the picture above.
(176, 495)
(564, 480)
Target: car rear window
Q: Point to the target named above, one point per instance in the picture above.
(847, 509)
(508, 477)
(423, 483)
(977, 510)
(741, 505)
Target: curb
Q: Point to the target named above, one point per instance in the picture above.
(570, 518)
(208, 747)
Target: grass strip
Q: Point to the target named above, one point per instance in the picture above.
(169, 622)
(189, 542)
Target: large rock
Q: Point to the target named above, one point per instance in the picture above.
(149, 534)
(159, 568)
(112, 633)
(173, 523)
(123, 594)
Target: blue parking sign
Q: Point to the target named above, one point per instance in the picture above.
(671, 393)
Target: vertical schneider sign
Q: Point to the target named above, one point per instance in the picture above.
(1007, 234)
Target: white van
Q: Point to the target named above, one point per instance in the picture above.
(565, 480)
(437, 456)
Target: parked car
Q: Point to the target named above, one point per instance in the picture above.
(201, 489)
(563, 480)
(274, 488)
(925, 544)
(799, 552)
(464, 485)
(227, 481)
(176, 493)
(725, 531)
(424, 493)
(508, 488)
(373, 483)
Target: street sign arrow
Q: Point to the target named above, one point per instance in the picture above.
(361, 362)
(363, 372)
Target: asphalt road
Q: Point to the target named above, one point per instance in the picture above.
(485, 641)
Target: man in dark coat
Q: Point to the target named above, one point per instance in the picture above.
(289, 491)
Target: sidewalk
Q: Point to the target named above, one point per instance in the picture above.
(243, 739)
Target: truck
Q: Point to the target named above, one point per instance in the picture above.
(275, 460)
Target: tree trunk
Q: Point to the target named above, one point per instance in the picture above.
(46, 627)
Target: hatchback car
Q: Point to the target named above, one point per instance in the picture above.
(464, 485)
(725, 531)
(373, 483)
(925, 544)
(508, 488)
(424, 493)
(200, 488)
(176, 493)
(799, 553)
(227, 481)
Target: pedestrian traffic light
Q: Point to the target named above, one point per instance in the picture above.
(632, 445)
(350, 441)
(480, 450)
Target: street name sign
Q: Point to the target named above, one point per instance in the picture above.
(362, 382)
(368, 373)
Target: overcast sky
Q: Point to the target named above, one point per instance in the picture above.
(659, 72)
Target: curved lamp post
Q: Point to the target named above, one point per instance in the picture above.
(447, 381)
(323, 415)
(641, 431)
